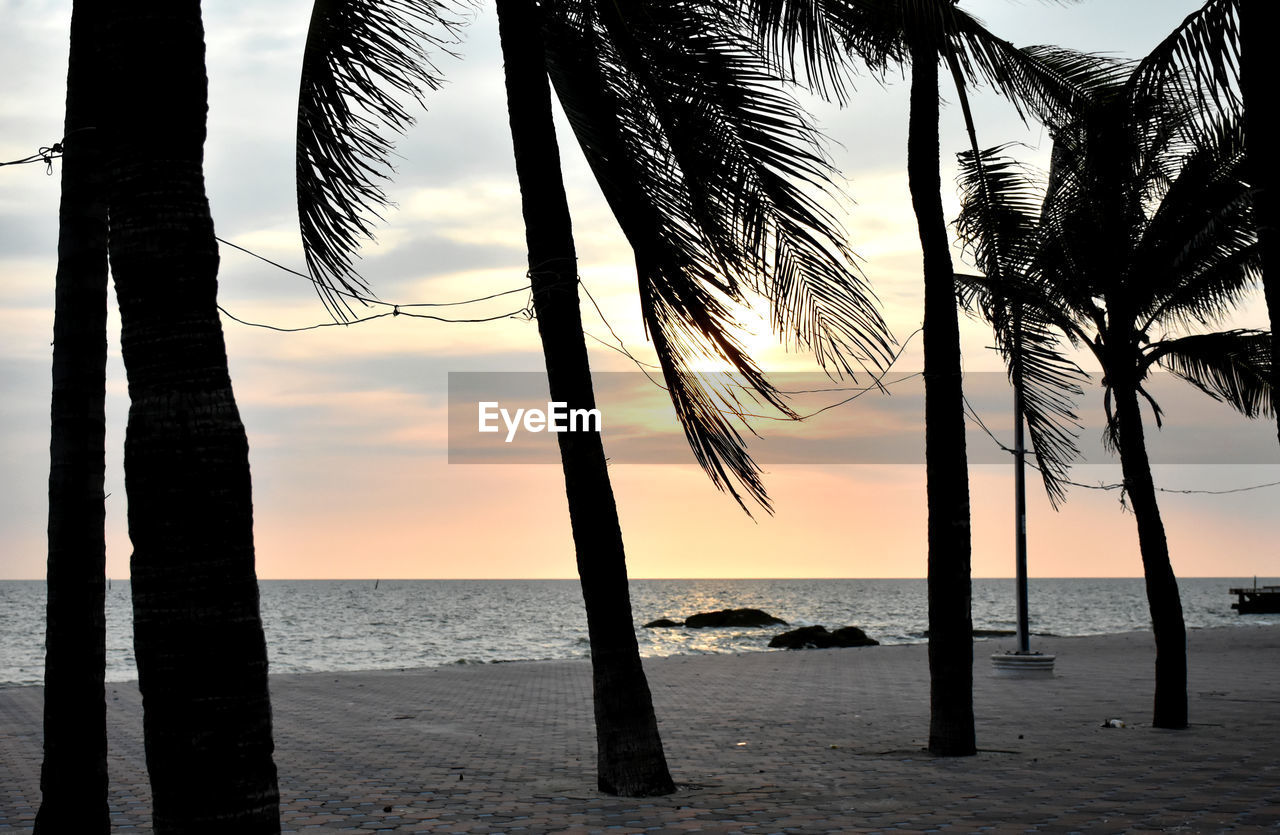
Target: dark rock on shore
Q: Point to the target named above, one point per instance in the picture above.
(662, 623)
(733, 617)
(817, 637)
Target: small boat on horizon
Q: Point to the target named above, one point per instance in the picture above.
(1259, 600)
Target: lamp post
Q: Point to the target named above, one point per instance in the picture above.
(1021, 663)
(1020, 513)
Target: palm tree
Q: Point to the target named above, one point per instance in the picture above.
(1145, 230)
(823, 37)
(703, 162)
(1218, 59)
(73, 777)
(202, 661)
(630, 759)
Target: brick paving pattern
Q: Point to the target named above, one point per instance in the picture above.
(807, 741)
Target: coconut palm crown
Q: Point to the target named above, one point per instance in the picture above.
(1218, 60)
(715, 175)
(1121, 266)
(1142, 243)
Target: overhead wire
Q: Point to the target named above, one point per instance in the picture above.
(47, 154)
(972, 414)
(396, 309)
(371, 300)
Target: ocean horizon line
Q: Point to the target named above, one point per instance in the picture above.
(327, 624)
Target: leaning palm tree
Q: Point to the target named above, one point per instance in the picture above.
(198, 639)
(818, 40)
(630, 757)
(1218, 60)
(73, 777)
(1144, 232)
(705, 165)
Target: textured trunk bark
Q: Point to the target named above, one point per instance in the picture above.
(202, 662)
(951, 731)
(73, 777)
(1162, 587)
(629, 750)
(1259, 23)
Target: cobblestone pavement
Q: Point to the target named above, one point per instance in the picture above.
(809, 741)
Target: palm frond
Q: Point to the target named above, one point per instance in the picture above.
(1232, 367)
(1199, 62)
(1051, 83)
(1200, 245)
(800, 37)
(999, 224)
(745, 171)
(1000, 202)
(816, 40)
(683, 286)
(685, 329)
(1051, 386)
(365, 61)
(709, 170)
(1094, 209)
(822, 36)
(1031, 344)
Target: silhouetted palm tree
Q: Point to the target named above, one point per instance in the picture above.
(824, 37)
(73, 777)
(1219, 60)
(1145, 230)
(202, 661)
(704, 164)
(630, 759)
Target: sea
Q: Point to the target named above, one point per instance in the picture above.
(332, 625)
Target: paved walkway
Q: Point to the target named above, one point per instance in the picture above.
(811, 741)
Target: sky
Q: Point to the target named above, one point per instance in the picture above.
(349, 428)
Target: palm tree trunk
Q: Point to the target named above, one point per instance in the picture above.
(1162, 587)
(73, 777)
(629, 750)
(951, 731)
(1259, 21)
(202, 661)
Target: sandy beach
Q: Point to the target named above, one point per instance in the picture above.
(807, 741)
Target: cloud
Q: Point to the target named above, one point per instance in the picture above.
(347, 425)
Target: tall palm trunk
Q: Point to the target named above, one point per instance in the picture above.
(951, 731)
(1162, 587)
(1259, 22)
(73, 777)
(629, 749)
(202, 662)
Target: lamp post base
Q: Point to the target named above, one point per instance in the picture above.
(1022, 665)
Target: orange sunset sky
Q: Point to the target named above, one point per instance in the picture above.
(348, 426)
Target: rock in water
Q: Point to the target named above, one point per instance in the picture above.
(852, 636)
(806, 637)
(662, 623)
(817, 637)
(733, 617)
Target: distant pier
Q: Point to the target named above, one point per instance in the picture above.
(1257, 600)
